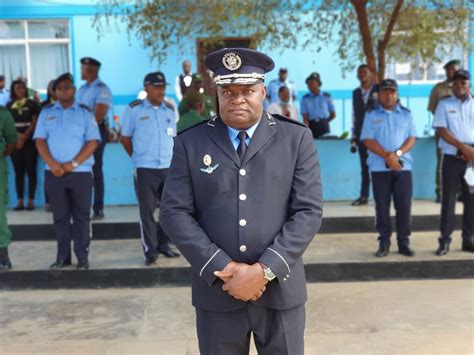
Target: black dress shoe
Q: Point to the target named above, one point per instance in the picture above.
(149, 261)
(59, 264)
(443, 248)
(5, 263)
(82, 265)
(360, 201)
(19, 208)
(166, 251)
(467, 247)
(97, 216)
(405, 250)
(383, 250)
(438, 199)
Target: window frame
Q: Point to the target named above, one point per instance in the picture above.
(27, 42)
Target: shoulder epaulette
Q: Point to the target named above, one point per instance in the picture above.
(193, 126)
(169, 104)
(84, 107)
(326, 94)
(135, 103)
(404, 108)
(446, 97)
(101, 84)
(50, 105)
(286, 119)
(306, 95)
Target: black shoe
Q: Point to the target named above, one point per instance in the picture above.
(405, 250)
(82, 265)
(166, 251)
(5, 263)
(97, 216)
(19, 208)
(383, 250)
(443, 248)
(150, 260)
(360, 201)
(460, 198)
(467, 247)
(438, 199)
(59, 264)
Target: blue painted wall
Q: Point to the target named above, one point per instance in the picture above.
(125, 63)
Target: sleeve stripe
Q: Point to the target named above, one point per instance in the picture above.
(212, 257)
(281, 258)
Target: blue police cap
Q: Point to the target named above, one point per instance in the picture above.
(156, 79)
(62, 77)
(388, 84)
(240, 66)
(462, 74)
(314, 76)
(90, 61)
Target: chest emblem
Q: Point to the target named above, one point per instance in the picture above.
(207, 160)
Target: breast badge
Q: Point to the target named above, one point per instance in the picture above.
(207, 160)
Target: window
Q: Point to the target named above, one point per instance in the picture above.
(38, 50)
(416, 72)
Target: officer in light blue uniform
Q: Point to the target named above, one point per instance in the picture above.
(66, 136)
(454, 122)
(389, 133)
(97, 96)
(274, 87)
(4, 92)
(148, 129)
(317, 107)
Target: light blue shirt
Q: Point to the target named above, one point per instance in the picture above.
(274, 86)
(317, 106)
(4, 97)
(390, 130)
(66, 131)
(95, 93)
(234, 135)
(152, 130)
(458, 117)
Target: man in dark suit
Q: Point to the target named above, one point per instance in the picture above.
(364, 98)
(242, 202)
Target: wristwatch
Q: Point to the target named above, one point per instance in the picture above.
(267, 273)
(399, 153)
(74, 164)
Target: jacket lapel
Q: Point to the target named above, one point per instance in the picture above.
(218, 133)
(264, 132)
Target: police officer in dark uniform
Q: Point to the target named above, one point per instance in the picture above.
(317, 107)
(454, 122)
(389, 134)
(364, 98)
(66, 136)
(242, 201)
(97, 96)
(148, 129)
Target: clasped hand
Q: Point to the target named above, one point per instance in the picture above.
(242, 281)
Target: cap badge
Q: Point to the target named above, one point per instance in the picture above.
(232, 61)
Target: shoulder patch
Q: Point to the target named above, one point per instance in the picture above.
(135, 103)
(169, 104)
(83, 106)
(193, 126)
(286, 119)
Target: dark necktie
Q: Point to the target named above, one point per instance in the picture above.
(242, 148)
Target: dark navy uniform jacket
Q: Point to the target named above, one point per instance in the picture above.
(266, 209)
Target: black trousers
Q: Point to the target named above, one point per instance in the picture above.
(364, 168)
(25, 160)
(399, 185)
(70, 199)
(99, 189)
(275, 331)
(149, 187)
(452, 174)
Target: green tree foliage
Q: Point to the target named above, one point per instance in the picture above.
(403, 30)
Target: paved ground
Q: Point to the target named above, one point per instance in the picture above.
(130, 213)
(403, 317)
(325, 248)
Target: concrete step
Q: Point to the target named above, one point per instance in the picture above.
(329, 258)
(122, 222)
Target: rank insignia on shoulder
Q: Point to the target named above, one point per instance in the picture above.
(207, 160)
